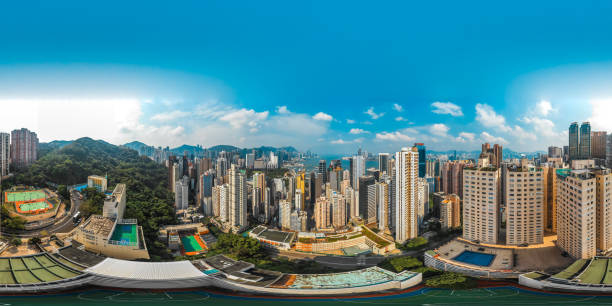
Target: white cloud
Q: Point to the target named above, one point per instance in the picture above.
(338, 141)
(322, 116)
(350, 121)
(239, 118)
(447, 108)
(169, 116)
(282, 110)
(439, 129)
(357, 131)
(372, 114)
(467, 136)
(544, 108)
(486, 137)
(601, 109)
(400, 118)
(394, 136)
(398, 107)
(541, 126)
(487, 116)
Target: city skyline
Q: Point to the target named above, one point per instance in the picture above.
(329, 81)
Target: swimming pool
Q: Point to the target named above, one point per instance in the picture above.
(475, 258)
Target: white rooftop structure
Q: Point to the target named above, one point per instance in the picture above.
(117, 273)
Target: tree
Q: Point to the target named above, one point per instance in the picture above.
(15, 241)
(62, 191)
(34, 240)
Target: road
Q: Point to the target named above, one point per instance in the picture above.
(62, 225)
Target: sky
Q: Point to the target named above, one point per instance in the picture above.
(326, 76)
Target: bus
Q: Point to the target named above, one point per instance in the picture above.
(77, 217)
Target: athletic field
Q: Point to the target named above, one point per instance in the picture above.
(24, 196)
(31, 206)
(192, 245)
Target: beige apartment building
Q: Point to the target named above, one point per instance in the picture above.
(550, 198)
(524, 198)
(603, 198)
(576, 212)
(481, 197)
(450, 211)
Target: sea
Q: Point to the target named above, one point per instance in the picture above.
(313, 163)
(504, 295)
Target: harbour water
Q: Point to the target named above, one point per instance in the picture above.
(507, 295)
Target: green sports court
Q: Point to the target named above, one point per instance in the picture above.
(28, 207)
(24, 196)
(125, 234)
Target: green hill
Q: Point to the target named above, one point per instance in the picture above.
(148, 198)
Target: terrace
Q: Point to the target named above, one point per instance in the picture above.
(34, 269)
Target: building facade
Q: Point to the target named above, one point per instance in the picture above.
(406, 194)
(24, 147)
(524, 199)
(481, 197)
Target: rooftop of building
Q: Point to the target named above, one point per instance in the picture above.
(228, 265)
(174, 270)
(99, 225)
(365, 277)
(80, 256)
(34, 269)
(273, 235)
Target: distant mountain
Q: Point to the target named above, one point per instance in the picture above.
(507, 153)
(135, 145)
(219, 148)
(187, 148)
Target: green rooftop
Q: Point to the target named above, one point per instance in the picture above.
(571, 271)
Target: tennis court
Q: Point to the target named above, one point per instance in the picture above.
(23, 196)
(125, 234)
(192, 245)
(29, 207)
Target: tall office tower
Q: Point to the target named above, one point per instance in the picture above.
(422, 200)
(322, 214)
(346, 175)
(371, 209)
(382, 205)
(171, 177)
(315, 187)
(175, 173)
(338, 208)
(406, 194)
(237, 199)
(205, 164)
(524, 206)
(284, 214)
(357, 170)
(221, 167)
(555, 152)
(298, 199)
(259, 181)
(5, 153)
(333, 180)
(322, 170)
(481, 197)
(256, 202)
(422, 159)
(598, 145)
(24, 147)
(574, 141)
(609, 151)
(303, 221)
(300, 181)
(250, 160)
(181, 193)
(364, 210)
(350, 202)
(294, 221)
(431, 168)
(566, 157)
(576, 213)
(584, 147)
(383, 162)
(550, 198)
(603, 178)
(205, 184)
(450, 211)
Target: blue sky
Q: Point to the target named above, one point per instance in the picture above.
(330, 76)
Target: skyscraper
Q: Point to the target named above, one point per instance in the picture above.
(609, 151)
(422, 159)
(555, 152)
(598, 145)
(383, 162)
(585, 141)
(322, 213)
(494, 156)
(5, 153)
(450, 211)
(365, 211)
(322, 170)
(357, 170)
(24, 147)
(574, 141)
(237, 199)
(406, 194)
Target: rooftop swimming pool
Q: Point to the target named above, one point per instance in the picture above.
(125, 234)
(475, 258)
